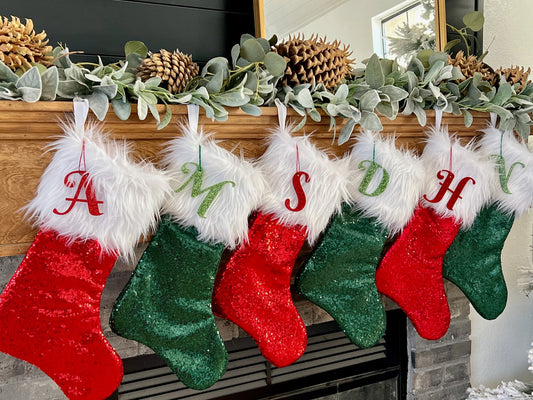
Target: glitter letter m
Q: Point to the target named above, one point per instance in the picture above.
(197, 179)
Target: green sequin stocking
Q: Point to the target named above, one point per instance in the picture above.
(340, 276)
(473, 262)
(166, 305)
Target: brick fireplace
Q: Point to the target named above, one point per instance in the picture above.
(437, 370)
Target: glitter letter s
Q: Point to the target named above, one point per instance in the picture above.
(297, 184)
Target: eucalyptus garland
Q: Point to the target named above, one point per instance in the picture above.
(253, 78)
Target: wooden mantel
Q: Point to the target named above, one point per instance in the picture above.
(25, 129)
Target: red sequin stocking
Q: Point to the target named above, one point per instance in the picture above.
(253, 289)
(50, 316)
(411, 271)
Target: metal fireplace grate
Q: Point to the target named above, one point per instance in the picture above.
(330, 364)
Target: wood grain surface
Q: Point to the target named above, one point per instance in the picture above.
(26, 129)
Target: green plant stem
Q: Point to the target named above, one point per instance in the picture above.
(88, 64)
(461, 33)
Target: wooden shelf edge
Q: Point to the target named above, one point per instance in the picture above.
(14, 249)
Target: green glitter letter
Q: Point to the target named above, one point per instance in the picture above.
(504, 175)
(198, 177)
(373, 167)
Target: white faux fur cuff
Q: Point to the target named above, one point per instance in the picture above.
(226, 191)
(513, 188)
(128, 195)
(324, 190)
(458, 187)
(387, 182)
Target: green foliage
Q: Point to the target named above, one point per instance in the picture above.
(252, 79)
(473, 22)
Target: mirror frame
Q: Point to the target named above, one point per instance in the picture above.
(440, 22)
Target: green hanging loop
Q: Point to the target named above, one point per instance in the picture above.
(199, 157)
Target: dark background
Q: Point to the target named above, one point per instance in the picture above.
(204, 28)
(455, 10)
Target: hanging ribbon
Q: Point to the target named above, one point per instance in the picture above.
(282, 113)
(81, 110)
(193, 114)
(438, 118)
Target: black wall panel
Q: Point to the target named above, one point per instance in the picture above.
(455, 10)
(204, 28)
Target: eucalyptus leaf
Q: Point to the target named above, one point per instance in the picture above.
(305, 98)
(252, 51)
(134, 62)
(61, 58)
(346, 131)
(69, 89)
(370, 121)
(438, 56)
(420, 115)
(275, 64)
(424, 56)
(154, 81)
(6, 75)
(148, 97)
(142, 109)
(502, 112)
(216, 64)
(386, 109)
(231, 99)
(264, 44)
(374, 76)
(99, 104)
(451, 44)
(433, 71)
(166, 119)
(369, 101)
(300, 124)
(109, 90)
(50, 82)
(29, 94)
(314, 114)
(474, 20)
(453, 88)
(135, 47)
(468, 118)
(523, 130)
(251, 110)
(30, 79)
(154, 112)
(215, 83)
(340, 94)
(245, 37)
(235, 52)
(386, 66)
(416, 66)
(121, 108)
(394, 93)
(504, 93)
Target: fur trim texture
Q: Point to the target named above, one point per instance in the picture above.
(465, 163)
(324, 192)
(395, 205)
(226, 218)
(131, 193)
(518, 196)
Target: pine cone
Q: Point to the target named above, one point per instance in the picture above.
(513, 75)
(327, 63)
(20, 45)
(470, 65)
(175, 69)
